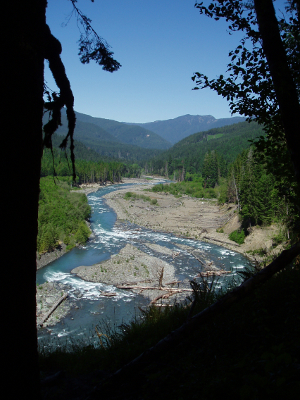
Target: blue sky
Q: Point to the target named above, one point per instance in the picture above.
(160, 43)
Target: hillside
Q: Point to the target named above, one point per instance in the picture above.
(179, 128)
(81, 151)
(131, 142)
(115, 131)
(97, 140)
(228, 141)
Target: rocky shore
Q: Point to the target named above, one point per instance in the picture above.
(47, 258)
(131, 267)
(199, 219)
(47, 296)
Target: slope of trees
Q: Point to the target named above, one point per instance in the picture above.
(62, 215)
(262, 79)
(90, 167)
(122, 132)
(189, 153)
(262, 195)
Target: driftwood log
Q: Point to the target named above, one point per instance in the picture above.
(162, 296)
(53, 308)
(224, 303)
(216, 273)
(108, 294)
(164, 288)
(209, 271)
(221, 241)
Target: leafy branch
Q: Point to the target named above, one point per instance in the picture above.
(92, 46)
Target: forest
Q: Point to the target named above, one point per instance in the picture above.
(226, 163)
(62, 215)
(262, 83)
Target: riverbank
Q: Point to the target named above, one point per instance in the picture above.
(47, 296)
(46, 258)
(131, 267)
(86, 188)
(198, 219)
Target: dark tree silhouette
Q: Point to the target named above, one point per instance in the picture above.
(263, 80)
(26, 42)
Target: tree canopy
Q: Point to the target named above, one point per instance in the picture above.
(262, 80)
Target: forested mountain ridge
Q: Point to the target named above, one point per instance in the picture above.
(81, 151)
(179, 128)
(115, 131)
(228, 141)
(92, 138)
(132, 142)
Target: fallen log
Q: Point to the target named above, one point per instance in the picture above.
(161, 296)
(173, 283)
(108, 294)
(53, 308)
(221, 241)
(154, 288)
(199, 259)
(224, 303)
(216, 273)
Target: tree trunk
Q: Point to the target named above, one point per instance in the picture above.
(22, 92)
(284, 86)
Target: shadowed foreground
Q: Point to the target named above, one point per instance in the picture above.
(251, 351)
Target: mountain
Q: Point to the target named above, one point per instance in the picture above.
(228, 141)
(81, 151)
(174, 130)
(118, 132)
(133, 142)
(106, 145)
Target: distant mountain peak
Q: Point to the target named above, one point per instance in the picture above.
(175, 129)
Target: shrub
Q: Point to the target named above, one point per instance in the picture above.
(237, 236)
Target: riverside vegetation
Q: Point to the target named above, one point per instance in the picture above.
(62, 215)
(257, 354)
(261, 328)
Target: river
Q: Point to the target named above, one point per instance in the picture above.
(89, 308)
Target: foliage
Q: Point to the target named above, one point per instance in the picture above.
(62, 215)
(249, 87)
(92, 46)
(262, 196)
(237, 236)
(190, 188)
(134, 196)
(254, 83)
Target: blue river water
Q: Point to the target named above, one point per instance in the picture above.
(89, 308)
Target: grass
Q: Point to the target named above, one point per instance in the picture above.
(250, 351)
(134, 196)
(193, 189)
